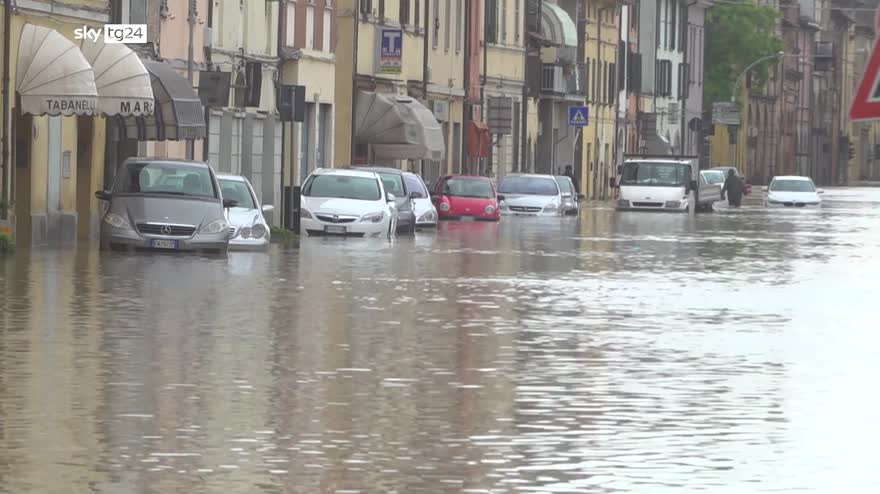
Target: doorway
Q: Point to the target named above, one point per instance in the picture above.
(86, 224)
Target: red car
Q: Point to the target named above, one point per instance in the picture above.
(465, 197)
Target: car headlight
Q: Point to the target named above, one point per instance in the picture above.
(245, 232)
(550, 208)
(429, 216)
(258, 231)
(304, 214)
(673, 204)
(444, 206)
(374, 217)
(489, 209)
(215, 226)
(116, 221)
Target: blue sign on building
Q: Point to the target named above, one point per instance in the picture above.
(578, 116)
(391, 51)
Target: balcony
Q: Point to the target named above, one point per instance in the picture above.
(564, 80)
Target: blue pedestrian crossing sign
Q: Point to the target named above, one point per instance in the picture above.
(578, 116)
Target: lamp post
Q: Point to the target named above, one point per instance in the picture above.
(736, 84)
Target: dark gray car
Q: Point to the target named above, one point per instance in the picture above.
(395, 183)
(165, 204)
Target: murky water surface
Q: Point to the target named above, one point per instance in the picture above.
(648, 353)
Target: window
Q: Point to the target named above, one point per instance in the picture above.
(448, 38)
(468, 187)
(655, 174)
(342, 186)
(684, 80)
(381, 10)
(417, 15)
(366, 7)
(529, 186)
(673, 32)
(663, 78)
(459, 25)
(503, 21)
(404, 12)
(414, 184)
(612, 82)
(683, 28)
(435, 32)
(491, 21)
(325, 33)
(290, 27)
(516, 21)
(310, 26)
(792, 186)
(164, 178)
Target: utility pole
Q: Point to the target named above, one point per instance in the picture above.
(191, 21)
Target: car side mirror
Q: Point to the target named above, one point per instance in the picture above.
(268, 208)
(820, 191)
(390, 198)
(435, 198)
(229, 203)
(414, 195)
(692, 185)
(102, 195)
(500, 198)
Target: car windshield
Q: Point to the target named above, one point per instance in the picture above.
(414, 184)
(343, 187)
(565, 185)
(537, 186)
(237, 191)
(714, 177)
(657, 174)
(792, 186)
(468, 187)
(393, 184)
(169, 178)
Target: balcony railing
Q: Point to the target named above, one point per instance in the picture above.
(564, 79)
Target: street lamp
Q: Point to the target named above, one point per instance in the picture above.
(752, 65)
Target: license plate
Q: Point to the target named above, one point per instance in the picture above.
(338, 230)
(163, 244)
(467, 218)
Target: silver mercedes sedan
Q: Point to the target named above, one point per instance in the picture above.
(165, 204)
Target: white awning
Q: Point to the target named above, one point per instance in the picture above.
(123, 83)
(398, 127)
(52, 76)
(557, 26)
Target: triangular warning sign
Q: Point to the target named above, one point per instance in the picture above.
(866, 104)
(579, 118)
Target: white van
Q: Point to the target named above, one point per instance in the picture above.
(656, 183)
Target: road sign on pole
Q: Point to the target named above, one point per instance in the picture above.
(578, 116)
(866, 104)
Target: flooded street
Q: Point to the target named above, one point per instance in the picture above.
(614, 352)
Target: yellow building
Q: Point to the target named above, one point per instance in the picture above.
(601, 45)
(403, 106)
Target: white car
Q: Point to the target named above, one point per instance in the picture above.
(348, 203)
(425, 212)
(530, 195)
(248, 227)
(792, 192)
(711, 183)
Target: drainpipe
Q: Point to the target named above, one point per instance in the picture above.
(468, 112)
(483, 80)
(208, 54)
(356, 20)
(524, 106)
(191, 22)
(4, 152)
(425, 51)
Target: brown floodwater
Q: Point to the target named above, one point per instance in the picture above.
(615, 352)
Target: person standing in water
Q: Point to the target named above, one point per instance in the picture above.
(733, 187)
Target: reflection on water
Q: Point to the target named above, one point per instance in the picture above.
(608, 353)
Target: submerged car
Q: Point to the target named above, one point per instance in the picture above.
(711, 183)
(425, 212)
(394, 183)
(570, 197)
(530, 195)
(793, 192)
(248, 227)
(347, 203)
(656, 184)
(466, 198)
(165, 204)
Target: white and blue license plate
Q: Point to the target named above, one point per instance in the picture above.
(468, 218)
(335, 230)
(158, 243)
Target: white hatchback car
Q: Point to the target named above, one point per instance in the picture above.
(248, 227)
(348, 203)
(426, 213)
(530, 195)
(792, 192)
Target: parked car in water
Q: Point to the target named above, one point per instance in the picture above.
(425, 212)
(530, 195)
(466, 198)
(792, 192)
(656, 184)
(248, 227)
(570, 198)
(395, 184)
(165, 204)
(348, 203)
(711, 183)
